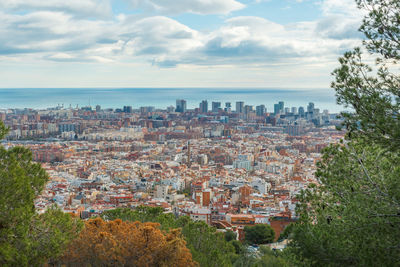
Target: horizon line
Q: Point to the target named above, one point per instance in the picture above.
(172, 87)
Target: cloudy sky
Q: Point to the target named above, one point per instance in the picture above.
(174, 43)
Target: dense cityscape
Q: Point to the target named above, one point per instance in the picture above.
(202, 133)
(228, 168)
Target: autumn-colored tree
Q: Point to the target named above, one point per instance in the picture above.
(119, 243)
(208, 247)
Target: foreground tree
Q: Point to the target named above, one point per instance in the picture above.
(286, 234)
(118, 243)
(230, 235)
(143, 214)
(353, 216)
(375, 98)
(208, 247)
(28, 238)
(263, 257)
(259, 234)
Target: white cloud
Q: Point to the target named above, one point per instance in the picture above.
(59, 35)
(50, 31)
(254, 40)
(342, 7)
(341, 19)
(158, 35)
(166, 42)
(192, 6)
(87, 8)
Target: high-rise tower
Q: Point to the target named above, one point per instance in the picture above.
(180, 105)
(216, 106)
(203, 106)
(239, 107)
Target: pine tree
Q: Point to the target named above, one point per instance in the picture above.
(26, 237)
(352, 217)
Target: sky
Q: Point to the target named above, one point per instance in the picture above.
(174, 43)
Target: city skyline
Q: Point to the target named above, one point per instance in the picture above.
(161, 98)
(181, 106)
(218, 43)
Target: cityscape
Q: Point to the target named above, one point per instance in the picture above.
(227, 167)
(201, 133)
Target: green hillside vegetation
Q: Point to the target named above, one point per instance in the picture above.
(259, 234)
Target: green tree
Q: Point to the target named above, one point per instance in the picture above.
(143, 214)
(374, 97)
(208, 247)
(239, 247)
(264, 256)
(352, 217)
(270, 258)
(286, 232)
(230, 235)
(259, 234)
(28, 238)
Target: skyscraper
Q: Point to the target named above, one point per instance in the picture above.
(301, 111)
(277, 109)
(248, 109)
(127, 109)
(281, 106)
(261, 110)
(204, 106)
(180, 105)
(228, 107)
(310, 107)
(215, 106)
(239, 107)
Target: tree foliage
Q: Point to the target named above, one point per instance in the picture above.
(287, 232)
(270, 258)
(259, 234)
(352, 217)
(208, 247)
(143, 214)
(3, 130)
(118, 243)
(263, 257)
(382, 27)
(25, 236)
(230, 235)
(375, 98)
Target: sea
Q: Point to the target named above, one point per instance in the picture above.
(42, 98)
